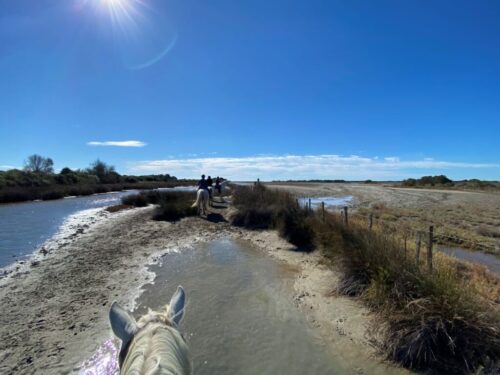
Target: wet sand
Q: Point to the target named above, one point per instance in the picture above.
(55, 314)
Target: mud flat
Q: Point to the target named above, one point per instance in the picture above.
(466, 219)
(366, 194)
(54, 313)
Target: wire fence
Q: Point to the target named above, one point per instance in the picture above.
(405, 231)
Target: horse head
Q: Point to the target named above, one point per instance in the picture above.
(152, 345)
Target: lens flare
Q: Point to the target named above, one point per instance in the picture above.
(141, 31)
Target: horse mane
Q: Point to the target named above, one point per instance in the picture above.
(157, 347)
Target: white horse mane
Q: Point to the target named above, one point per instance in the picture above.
(153, 345)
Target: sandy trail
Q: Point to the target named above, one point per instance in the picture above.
(56, 315)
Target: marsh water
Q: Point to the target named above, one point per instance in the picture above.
(330, 202)
(240, 318)
(491, 261)
(24, 227)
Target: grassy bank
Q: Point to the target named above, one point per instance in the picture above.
(446, 320)
(262, 208)
(22, 194)
(171, 206)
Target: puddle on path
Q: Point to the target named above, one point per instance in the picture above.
(239, 318)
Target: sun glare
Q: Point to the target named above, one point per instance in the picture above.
(123, 13)
(114, 2)
(142, 33)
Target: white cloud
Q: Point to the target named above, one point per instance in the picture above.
(269, 167)
(392, 159)
(118, 143)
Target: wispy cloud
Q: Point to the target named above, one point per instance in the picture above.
(117, 143)
(302, 167)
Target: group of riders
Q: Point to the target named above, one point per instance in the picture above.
(206, 183)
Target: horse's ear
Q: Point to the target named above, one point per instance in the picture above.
(176, 306)
(122, 323)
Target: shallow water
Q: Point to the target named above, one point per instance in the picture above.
(239, 318)
(24, 227)
(490, 261)
(330, 202)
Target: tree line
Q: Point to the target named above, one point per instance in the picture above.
(442, 181)
(38, 171)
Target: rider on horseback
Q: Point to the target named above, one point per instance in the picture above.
(203, 184)
(210, 182)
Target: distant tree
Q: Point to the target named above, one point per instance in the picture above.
(106, 173)
(410, 182)
(442, 179)
(39, 164)
(67, 177)
(66, 170)
(426, 180)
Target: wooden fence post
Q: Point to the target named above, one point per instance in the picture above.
(323, 210)
(346, 220)
(370, 221)
(418, 248)
(310, 209)
(429, 248)
(406, 248)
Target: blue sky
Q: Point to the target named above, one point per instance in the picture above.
(246, 89)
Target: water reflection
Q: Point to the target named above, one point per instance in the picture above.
(103, 362)
(330, 202)
(240, 318)
(489, 260)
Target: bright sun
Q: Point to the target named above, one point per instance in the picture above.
(123, 13)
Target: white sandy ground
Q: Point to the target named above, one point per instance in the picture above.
(54, 314)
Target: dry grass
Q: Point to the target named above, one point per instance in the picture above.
(261, 208)
(447, 320)
(472, 228)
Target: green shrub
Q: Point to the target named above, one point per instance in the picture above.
(53, 194)
(173, 206)
(261, 208)
(294, 225)
(253, 218)
(136, 200)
